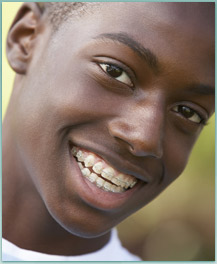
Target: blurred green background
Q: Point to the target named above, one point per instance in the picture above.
(179, 225)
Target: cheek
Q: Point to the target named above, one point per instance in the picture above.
(76, 100)
(177, 154)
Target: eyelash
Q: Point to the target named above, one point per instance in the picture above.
(180, 108)
(124, 73)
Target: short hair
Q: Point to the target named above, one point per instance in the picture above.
(58, 12)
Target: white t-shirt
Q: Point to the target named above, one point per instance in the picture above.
(112, 251)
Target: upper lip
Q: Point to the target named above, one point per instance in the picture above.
(117, 162)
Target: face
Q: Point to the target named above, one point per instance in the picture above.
(111, 107)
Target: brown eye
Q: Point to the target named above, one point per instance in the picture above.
(188, 113)
(116, 73)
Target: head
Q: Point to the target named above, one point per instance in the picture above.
(131, 84)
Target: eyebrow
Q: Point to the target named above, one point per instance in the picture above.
(146, 54)
(151, 59)
(202, 89)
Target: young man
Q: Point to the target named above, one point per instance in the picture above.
(108, 101)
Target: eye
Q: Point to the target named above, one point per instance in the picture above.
(116, 73)
(188, 113)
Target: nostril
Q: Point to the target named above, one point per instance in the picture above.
(138, 151)
(144, 148)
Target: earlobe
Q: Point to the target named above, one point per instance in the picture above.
(21, 37)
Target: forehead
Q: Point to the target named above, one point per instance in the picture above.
(190, 15)
(182, 14)
(180, 20)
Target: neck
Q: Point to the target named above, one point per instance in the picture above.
(25, 219)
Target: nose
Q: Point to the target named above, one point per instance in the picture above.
(141, 131)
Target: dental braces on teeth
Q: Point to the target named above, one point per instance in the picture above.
(101, 174)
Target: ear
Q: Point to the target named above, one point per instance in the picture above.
(21, 37)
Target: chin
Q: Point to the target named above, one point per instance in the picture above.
(89, 223)
(86, 230)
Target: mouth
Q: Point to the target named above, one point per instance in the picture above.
(97, 171)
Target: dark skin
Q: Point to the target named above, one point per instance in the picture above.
(143, 124)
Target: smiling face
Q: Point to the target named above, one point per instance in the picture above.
(122, 93)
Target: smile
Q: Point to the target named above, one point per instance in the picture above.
(97, 171)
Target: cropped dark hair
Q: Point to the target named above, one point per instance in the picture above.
(58, 12)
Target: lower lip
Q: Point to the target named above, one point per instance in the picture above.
(96, 197)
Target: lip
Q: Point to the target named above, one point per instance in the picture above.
(96, 197)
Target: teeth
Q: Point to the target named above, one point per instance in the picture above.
(120, 181)
(121, 177)
(116, 189)
(133, 183)
(115, 181)
(127, 180)
(119, 189)
(80, 165)
(89, 161)
(107, 186)
(92, 177)
(74, 151)
(85, 172)
(100, 182)
(108, 173)
(98, 167)
(111, 188)
(80, 155)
